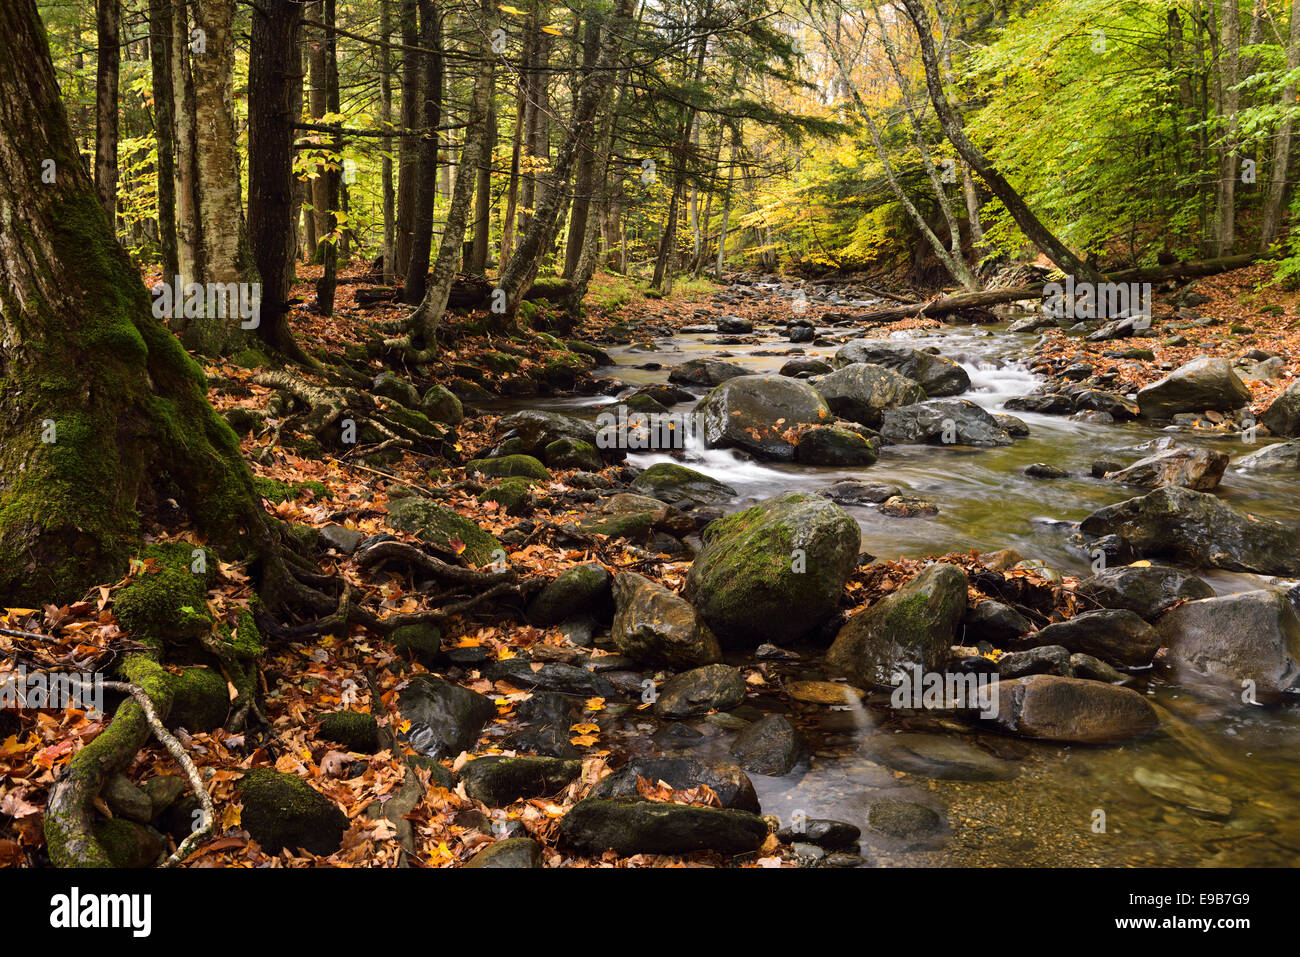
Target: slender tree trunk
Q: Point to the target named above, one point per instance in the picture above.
(426, 188)
(318, 103)
(516, 148)
(483, 197)
(428, 316)
(329, 247)
(584, 181)
(1029, 224)
(106, 74)
(386, 144)
(1281, 165)
(408, 150)
(187, 207)
(1229, 63)
(160, 59)
(522, 268)
(272, 98)
(726, 204)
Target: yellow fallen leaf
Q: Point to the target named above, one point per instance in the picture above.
(595, 704)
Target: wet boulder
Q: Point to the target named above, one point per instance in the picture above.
(1222, 642)
(1072, 709)
(1197, 529)
(445, 718)
(580, 590)
(629, 826)
(1197, 469)
(913, 626)
(937, 376)
(1283, 457)
(1204, 384)
(441, 526)
(831, 446)
(754, 412)
(771, 745)
(656, 626)
(1115, 635)
(497, 781)
(705, 372)
(773, 572)
(732, 785)
(861, 392)
(1145, 590)
(715, 687)
(685, 488)
(1282, 417)
(942, 422)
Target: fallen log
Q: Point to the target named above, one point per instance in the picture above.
(944, 305)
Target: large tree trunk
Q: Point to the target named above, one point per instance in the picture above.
(426, 187)
(274, 92)
(1029, 224)
(160, 58)
(584, 181)
(102, 413)
(508, 222)
(318, 104)
(106, 73)
(386, 123)
(518, 274)
(329, 247)
(478, 258)
(1225, 207)
(429, 315)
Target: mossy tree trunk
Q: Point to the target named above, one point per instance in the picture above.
(101, 410)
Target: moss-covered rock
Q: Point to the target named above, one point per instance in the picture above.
(512, 494)
(415, 421)
(828, 445)
(567, 453)
(355, 730)
(200, 702)
(513, 852)
(422, 641)
(394, 387)
(167, 601)
(650, 827)
(509, 466)
(498, 781)
(774, 572)
(276, 491)
(440, 526)
(283, 810)
(250, 358)
(582, 589)
(441, 405)
(500, 362)
(128, 844)
(685, 488)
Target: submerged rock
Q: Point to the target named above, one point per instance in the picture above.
(646, 827)
(1072, 709)
(701, 690)
(942, 422)
(771, 745)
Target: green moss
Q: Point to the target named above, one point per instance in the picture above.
(128, 844)
(415, 421)
(422, 641)
(514, 494)
(168, 601)
(283, 810)
(276, 491)
(355, 730)
(250, 358)
(566, 453)
(201, 701)
(441, 526)
(509, 466)
(500, 362)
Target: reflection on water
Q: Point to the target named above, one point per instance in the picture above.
(1057, 805)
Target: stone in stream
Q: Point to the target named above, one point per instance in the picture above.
(1145, 590)
(771, 745)
(831, 446)
(1043, 660)
(995, 623)
(497, 781)
(551, 676)
(908, 506)
(937, 376)
(513, 852)
(656, 626)
(1015, 427)
(1283, 457)
(732, 785)
(705, 372)
(682, 487)
(1086, 666)
(857, 492)
(1282, 417)
(546, 718)
(938, 756)
(1197, 529)
(1183, 790)
(733, 324)
(1222, 643)
(1117, 406)
(649, 827)
(1072, 710)
(567, 453)
(1041, 470)
(903, 819)
(753, 413)
(1042, 404)
(582, 589)
(913, 626)
(942, 422)
(773, 572)
(861, 392)
(283, 811)
(803, 367)
(533, 430)
(445, 718)
(715, 687)
(830, 693)
(1197, 469)
(823, 832)
(1201, 385)
(1115, 635)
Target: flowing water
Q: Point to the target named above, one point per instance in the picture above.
(1062, 805)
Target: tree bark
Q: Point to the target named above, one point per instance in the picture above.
(426, 187)
(188, 231)
(1225, 211)
(477, 265)
(274, 89)
(1281, 164)
(106, 73)
(329, 247)
(386, 144)
(160, 60)
(408, 150)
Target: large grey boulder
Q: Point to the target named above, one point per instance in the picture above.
(936, 375)
(656, 626)
(1202, 385)
(1282, 417)
(1145, 590)
(755, 412)
(942, 422)
(861, 392)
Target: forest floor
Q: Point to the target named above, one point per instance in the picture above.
(306, 680)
